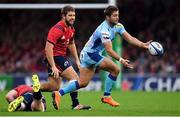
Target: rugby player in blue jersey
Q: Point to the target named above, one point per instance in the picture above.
(91, 56)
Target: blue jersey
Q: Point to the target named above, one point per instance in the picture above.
(91, 55)
(102, 34)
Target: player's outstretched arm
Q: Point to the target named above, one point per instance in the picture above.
(112, 53)
(135, 41)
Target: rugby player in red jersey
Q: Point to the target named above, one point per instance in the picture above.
(26, 98)
(60, 38)
(18, 91)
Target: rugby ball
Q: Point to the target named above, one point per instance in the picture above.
(155, 49)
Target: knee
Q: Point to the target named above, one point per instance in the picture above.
(83, 84)
(116, 71)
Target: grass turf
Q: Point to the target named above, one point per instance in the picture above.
(132, 103)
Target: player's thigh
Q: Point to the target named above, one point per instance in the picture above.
(108, 65)
(61, 62)
(70, 74)
(55, 81)
(86, 75)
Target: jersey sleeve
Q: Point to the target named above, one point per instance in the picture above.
(54, 34)
(120, 28)
(105, 36)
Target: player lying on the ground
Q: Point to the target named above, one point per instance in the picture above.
(26, 98)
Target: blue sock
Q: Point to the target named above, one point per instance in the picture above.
(109, 82)
(72, 86)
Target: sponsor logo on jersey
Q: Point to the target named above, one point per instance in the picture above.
(63, 37)
(105, 35)
(66, 63)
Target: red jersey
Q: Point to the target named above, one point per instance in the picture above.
(22, 89)
(60, 36)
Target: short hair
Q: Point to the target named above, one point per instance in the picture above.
(67, 9)
(109, 10)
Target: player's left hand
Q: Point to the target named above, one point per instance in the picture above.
(146, 45)
(126, 63)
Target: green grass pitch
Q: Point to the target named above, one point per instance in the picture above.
(132, 103)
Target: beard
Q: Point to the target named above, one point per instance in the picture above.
(67, 22)
(112, 23)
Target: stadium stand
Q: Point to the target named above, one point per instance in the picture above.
(23, 34)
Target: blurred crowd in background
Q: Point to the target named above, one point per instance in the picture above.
(23, 35)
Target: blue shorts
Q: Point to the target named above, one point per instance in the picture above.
(61, 63)
(28, 99)
(88, 59)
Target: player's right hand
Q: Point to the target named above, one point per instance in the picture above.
(146, 45)
(55, 72)
(126, 63)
